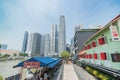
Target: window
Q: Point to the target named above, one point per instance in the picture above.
(85, 47)
(103, 56)
(90, 56)
(95, 55)
(86, 56)
(88, 46)
(115, 57)
(101, 41)
(94, 44)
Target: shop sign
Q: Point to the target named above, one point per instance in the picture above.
(32, 64)
(114, 33)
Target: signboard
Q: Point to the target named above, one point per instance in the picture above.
(114, 33)
(32, 64)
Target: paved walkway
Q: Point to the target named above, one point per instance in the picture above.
(69, 73)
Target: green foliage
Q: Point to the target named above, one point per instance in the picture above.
(65, 54)
(14, 54)
(20, 54)
(5, 56)
(1, 78)
(0, 46)
(0, 54)
(100, 75)
(23, 54)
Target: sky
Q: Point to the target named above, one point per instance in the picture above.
(17, 16)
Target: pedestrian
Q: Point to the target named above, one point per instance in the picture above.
(45, 76)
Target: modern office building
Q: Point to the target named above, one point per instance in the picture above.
(54, 39)
(36, 45)
(81, 36)
(72, 46)
(47, 45)
(42, 46)
(62, 35)
(29, 44)
(3, 47)
(25, 40)
(68, 48)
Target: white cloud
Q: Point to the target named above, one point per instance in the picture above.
(39, 15)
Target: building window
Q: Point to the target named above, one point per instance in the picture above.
(115, 57)
(86, 56)
(90, 56)
(103, 56)
(95, 55)
(94, 44)
(101, 41)
(85, 47)
(88, 46)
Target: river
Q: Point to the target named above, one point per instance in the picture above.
(6, 68)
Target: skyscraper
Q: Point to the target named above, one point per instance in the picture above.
(36, 44)
(54, 39)
(42, 46)
(72, 45)
(29, 43)
(25, 40)
(47, 45)
(3, 47)
(62, 35)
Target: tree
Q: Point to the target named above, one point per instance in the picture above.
(14, 54)
(0, 46)
(65, 54)
(1, 78)
(6, 55)
(23, 54)
(20, 54)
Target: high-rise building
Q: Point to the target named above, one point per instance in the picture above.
(47, 45)
(3, 46)
(29, 44)
(36, 45)
(25, 40)
(68, 48)
(62, 35)
(42, 46)
(54, 39)
(72, 46)
(81, 36)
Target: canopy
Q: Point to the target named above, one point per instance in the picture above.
(82, 52)
(52, 65)
(44, 61)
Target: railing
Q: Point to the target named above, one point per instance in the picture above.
(14, 77)
(60, 75)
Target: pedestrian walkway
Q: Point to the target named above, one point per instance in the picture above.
(69, 73)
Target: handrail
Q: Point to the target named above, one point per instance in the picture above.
(60, 75)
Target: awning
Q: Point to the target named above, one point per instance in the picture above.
(82, 52)
(44, 61)
(52, 65)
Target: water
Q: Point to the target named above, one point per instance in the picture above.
(6, 68)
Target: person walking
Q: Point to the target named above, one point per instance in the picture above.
(45, 76)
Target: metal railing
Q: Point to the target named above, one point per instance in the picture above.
(60, 75)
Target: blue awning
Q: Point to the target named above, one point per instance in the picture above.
(52, 65)
(44, 61)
